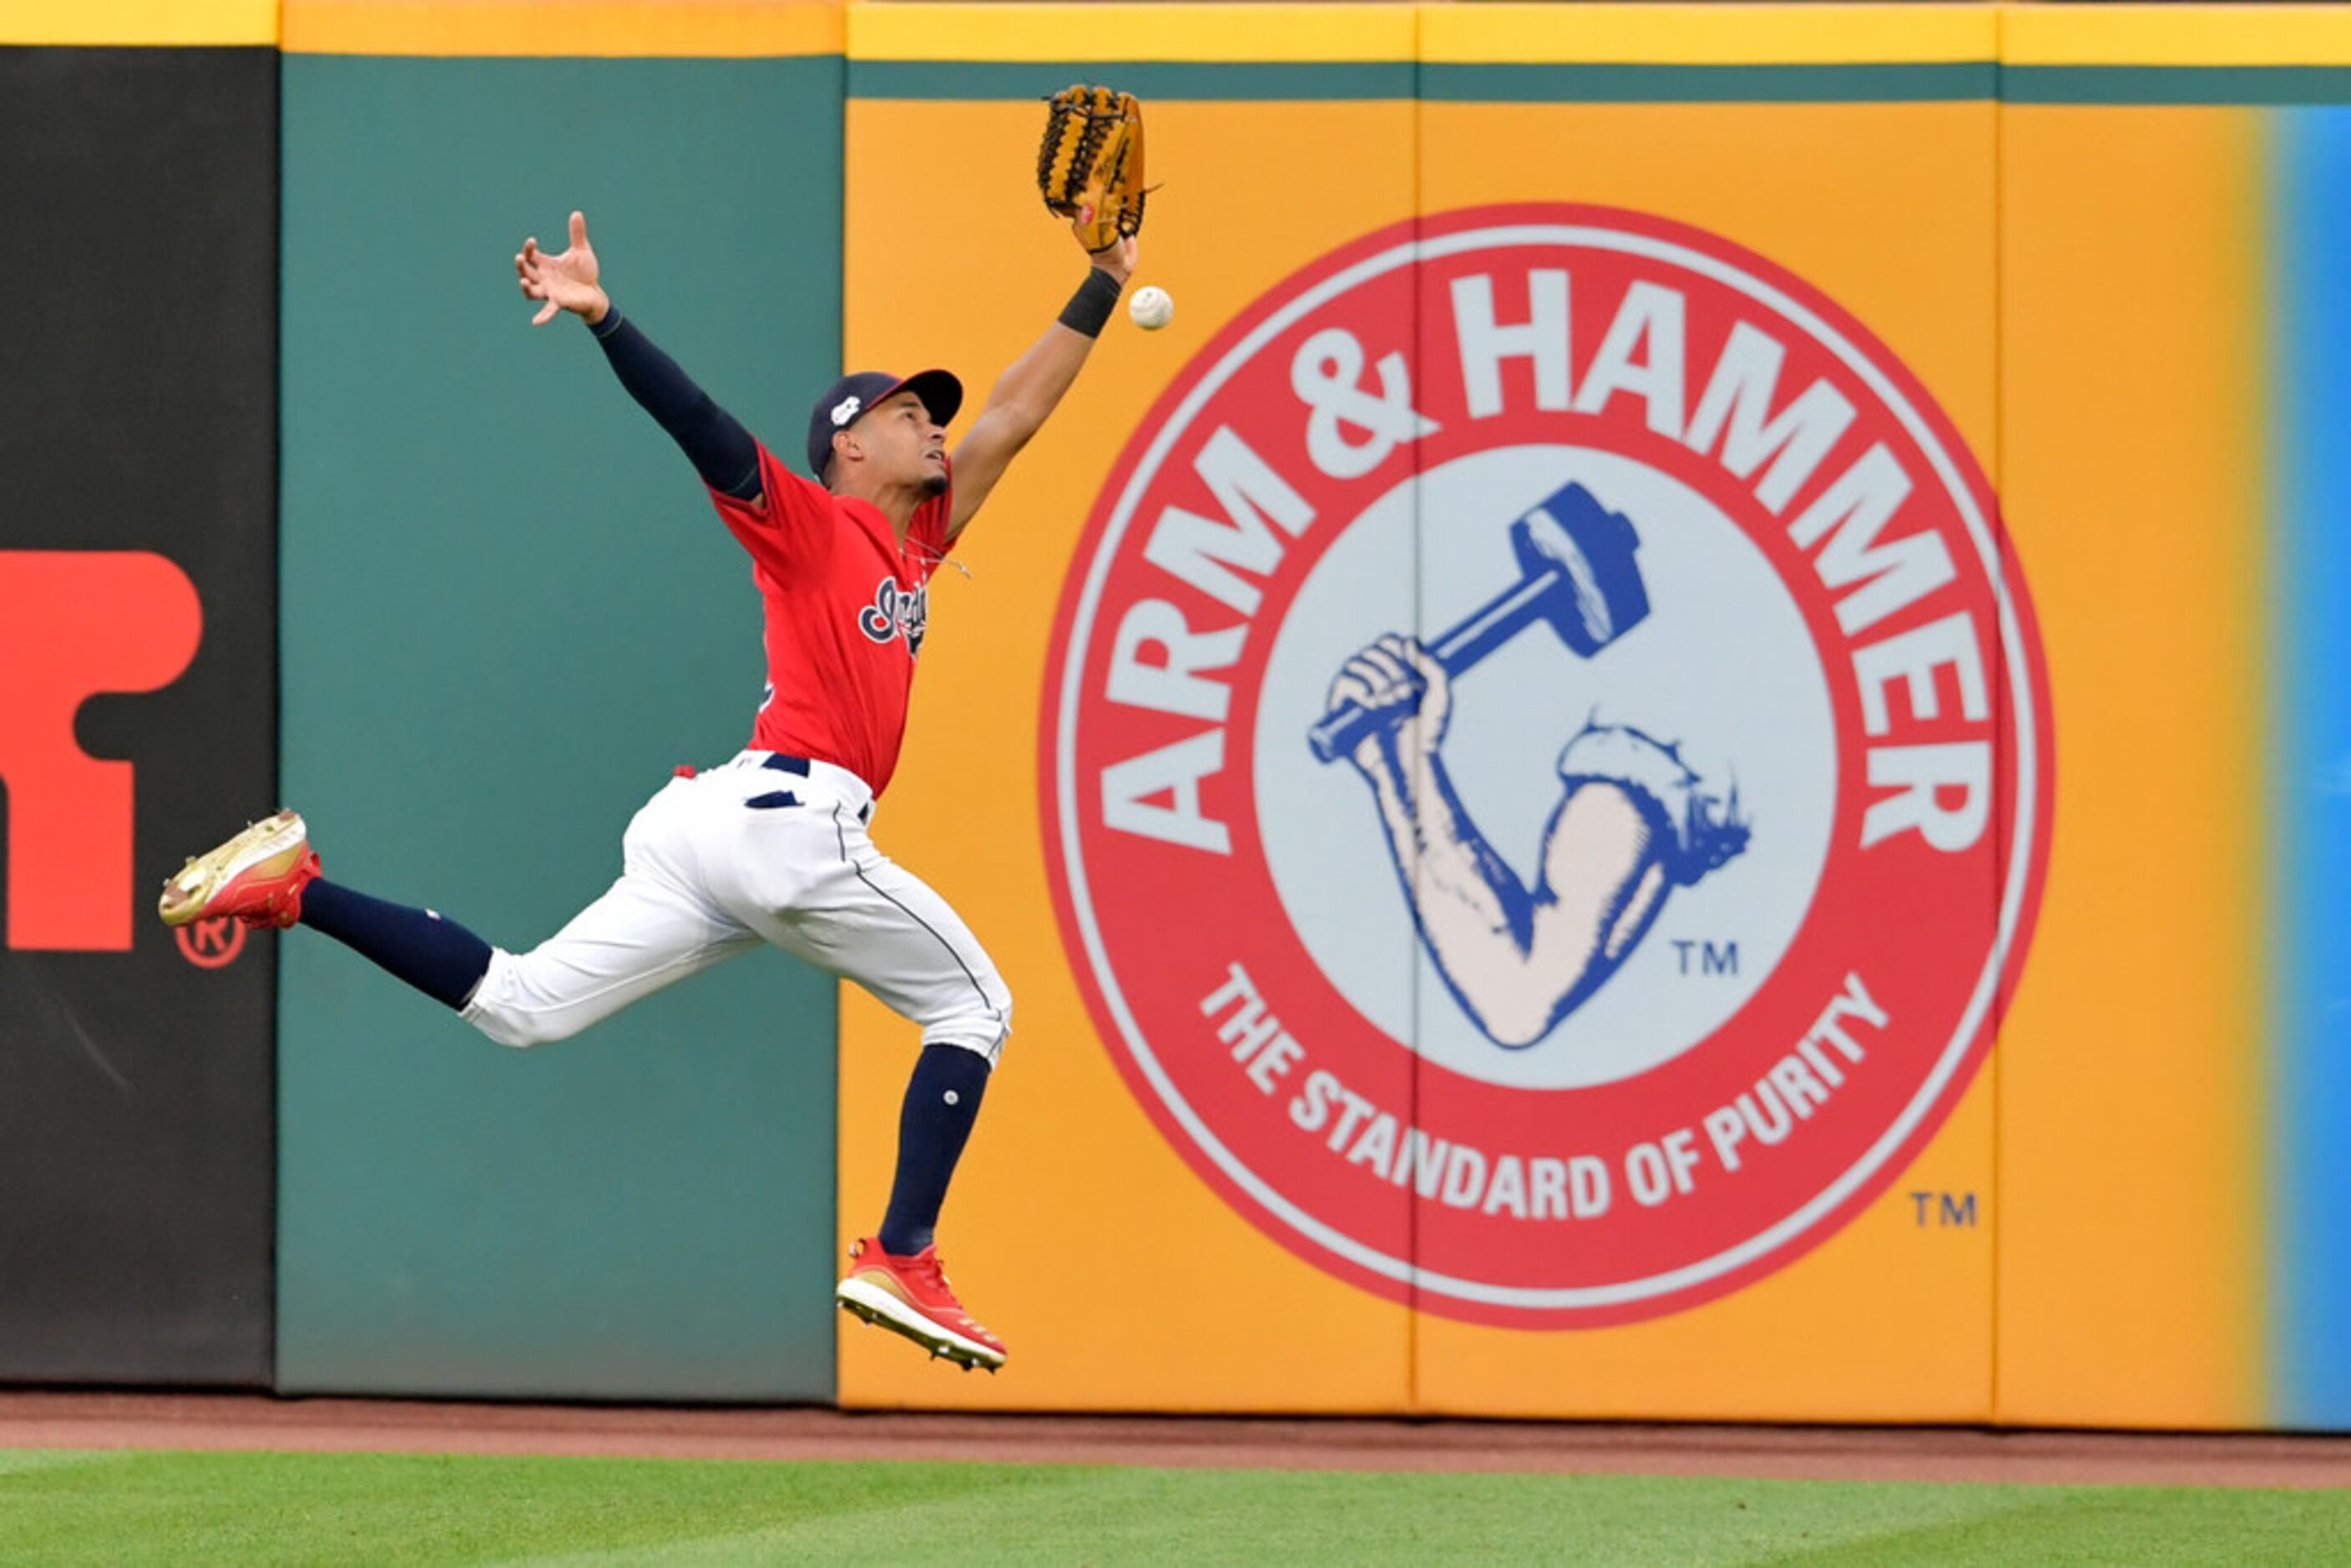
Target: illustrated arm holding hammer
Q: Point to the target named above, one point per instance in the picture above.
(1631, 823)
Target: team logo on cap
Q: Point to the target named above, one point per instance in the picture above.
(844, 411)
(1547, 765)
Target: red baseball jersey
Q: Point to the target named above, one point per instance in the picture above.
(845, 604)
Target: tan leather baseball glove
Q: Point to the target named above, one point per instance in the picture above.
(1090, 167)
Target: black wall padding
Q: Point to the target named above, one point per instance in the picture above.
(137, 431)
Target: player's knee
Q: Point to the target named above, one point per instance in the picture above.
(519, 1030)
(981, 1029)
(505, 1008)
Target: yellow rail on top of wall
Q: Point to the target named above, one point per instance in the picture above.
(2089, 35)
(1522, 34)
(131, 23)
(558, 28)
(1271, 34)
(2039, 34)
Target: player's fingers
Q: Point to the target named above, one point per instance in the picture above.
(579, 230)
(547, 312)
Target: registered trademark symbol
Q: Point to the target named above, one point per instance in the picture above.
(211, 944)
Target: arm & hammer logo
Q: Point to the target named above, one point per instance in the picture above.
(1542, 811)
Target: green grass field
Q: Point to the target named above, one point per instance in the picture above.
(187, 1508)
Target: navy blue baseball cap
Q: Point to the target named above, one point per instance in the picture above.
(853, 396)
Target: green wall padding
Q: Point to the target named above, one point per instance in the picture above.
(507, 611)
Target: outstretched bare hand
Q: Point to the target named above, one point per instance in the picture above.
(566, 281)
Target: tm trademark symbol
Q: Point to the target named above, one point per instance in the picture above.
(1943, 1210)
(1706, 958)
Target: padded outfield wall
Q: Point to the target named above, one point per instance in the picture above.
(509, 614)
(2061, 1155)
(138, 676)
(1964, 371)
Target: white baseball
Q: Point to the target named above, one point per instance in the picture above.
(1151, 309)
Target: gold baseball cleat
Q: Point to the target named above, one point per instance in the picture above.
(257, 876)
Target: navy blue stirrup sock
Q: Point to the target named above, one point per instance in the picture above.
(439, 958)
(942, 1100)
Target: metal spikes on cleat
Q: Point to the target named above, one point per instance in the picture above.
(909, 1295)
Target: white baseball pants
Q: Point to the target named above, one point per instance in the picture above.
(754, 850)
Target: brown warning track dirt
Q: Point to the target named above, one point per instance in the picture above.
(47, 1420)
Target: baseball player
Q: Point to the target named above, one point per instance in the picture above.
(771, 846)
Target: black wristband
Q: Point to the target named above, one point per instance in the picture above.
(1089, 308)
(611, 324)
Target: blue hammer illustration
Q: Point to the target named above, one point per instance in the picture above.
(1579, 577)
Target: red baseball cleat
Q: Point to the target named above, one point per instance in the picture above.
(911, 1296)
(258, 876)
